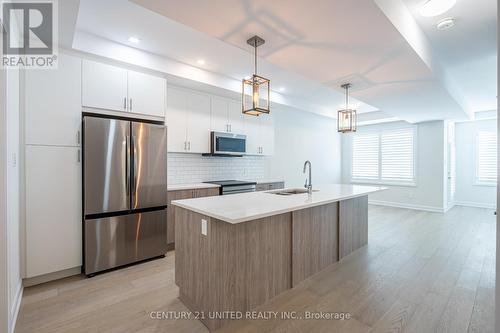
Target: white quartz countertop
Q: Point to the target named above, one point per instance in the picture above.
(177, 187)
(243, 207)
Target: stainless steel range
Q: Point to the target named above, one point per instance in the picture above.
(234, 186)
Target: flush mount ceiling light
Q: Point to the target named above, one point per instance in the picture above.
(134, 39)
(436, 7)
(446, 23)
(347, 121)
(200, 62)
(256, 86)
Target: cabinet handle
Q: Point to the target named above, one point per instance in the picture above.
(185, 145)
(78, 158)
(125, 103)
(78, 137)
(230, 128)
(189, 145)
(130, 106)
(261, 150)
(227, 127)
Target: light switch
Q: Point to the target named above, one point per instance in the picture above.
(203, 227)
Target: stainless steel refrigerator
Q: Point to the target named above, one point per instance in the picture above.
(124, 192)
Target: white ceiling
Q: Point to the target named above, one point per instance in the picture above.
(468, 51)
(309, 50)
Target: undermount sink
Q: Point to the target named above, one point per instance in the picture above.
(291, 191)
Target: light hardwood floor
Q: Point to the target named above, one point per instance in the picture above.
(421, 272)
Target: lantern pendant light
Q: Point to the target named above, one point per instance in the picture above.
(256, 88)
(346, 118)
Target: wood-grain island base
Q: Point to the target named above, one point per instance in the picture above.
(236, 267)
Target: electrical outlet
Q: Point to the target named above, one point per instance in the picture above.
(204, 227)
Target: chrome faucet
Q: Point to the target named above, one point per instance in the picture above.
(308, 185)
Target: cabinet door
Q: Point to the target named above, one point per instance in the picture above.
(176, 120)
(218, 118)
(104, 86)
(252, 130)
(54, 104)
(236, 117)
(198, 130)
(53, 209)
(175, 195)
(146, 94)
(266, 134)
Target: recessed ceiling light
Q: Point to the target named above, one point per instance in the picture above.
(282, 89)
(134, 39)
(446, 23)
(200, 62)
(436, 7)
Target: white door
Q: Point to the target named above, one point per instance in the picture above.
(267, 134)
(146, 94)
(53, 209)
(104, 86)
(176, 120)
(54, 104)
(198, 130)
(218, 119)
(236, 117)
(252, 131)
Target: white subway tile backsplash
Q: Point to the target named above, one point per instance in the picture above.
(194, 168)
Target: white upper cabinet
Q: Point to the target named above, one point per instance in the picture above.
(176, 120)
(252, 131)
(226, 115)
(188, 121)
(54, 104)
(104, 86)
(198, 130)
(219, 114)
(236, 117)
(267, 134)
(146, 94)
(114, 88)
(53, 209)
(260, 134)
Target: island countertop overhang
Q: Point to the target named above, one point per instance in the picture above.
(243, 207)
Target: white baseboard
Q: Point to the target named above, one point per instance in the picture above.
(475, 204)
(33, 281)
(14, 313)
(433, 209)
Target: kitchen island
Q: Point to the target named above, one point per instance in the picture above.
(235, 252)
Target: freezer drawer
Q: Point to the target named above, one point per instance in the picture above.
(115, 241)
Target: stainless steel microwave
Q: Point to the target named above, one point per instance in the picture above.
(227, 143)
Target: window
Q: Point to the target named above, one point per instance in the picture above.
(486, 158)
(384, 157)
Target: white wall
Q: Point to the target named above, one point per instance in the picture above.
(301, 136)
(468, 193)
(428, 193)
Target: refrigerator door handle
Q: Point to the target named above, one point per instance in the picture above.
(127, 165)
(134, 149)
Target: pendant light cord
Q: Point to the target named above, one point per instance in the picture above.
(255, 55)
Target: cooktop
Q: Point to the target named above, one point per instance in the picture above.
(231, 182)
